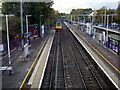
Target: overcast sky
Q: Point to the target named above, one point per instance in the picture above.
(67, 5)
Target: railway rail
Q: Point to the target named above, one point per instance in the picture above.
(56, 68)
(70, 67)
(89, 78)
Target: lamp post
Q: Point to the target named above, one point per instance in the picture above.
(40, 20)
(27, 25)
(112, 18)
(84, 19)
(71, 18)
(74, 17)
(105, 18)
(107, 25)
(102, 20)
(21, 12)
(112, 21)
(8, 44)
(78, 18)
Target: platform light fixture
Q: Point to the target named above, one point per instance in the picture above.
(27, 23)
(40, 20)
(10, 66)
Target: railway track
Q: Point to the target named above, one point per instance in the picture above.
(87, 74)
(56, 68)
(69, 66)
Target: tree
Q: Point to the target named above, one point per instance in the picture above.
(108, 12)
(11, 8)
(29, 8)
(81, 11)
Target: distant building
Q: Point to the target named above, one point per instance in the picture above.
(94, 13)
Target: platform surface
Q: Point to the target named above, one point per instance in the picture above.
(38, 73)
(21, 67)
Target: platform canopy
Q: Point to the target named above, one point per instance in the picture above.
(47, 1)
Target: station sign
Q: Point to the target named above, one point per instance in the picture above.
(33, 29)
(26, 52)
(43, 30)
(5, 68)
(89, 28)
(20, 36)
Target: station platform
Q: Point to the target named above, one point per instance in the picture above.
(36, 78)
(105, 59)
(22, 70)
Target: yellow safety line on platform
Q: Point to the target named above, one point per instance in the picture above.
(32, 65)
(99, 54)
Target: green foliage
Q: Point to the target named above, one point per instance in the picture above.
(81, 11)
(29, 8)
(108, 12)
(11, 8)
(14, 25)
(101, 11)
(118, 13)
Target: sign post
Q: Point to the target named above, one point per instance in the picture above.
(21, 12)
(107, 28)
(71, 18)
(40, 21)
(105, 18)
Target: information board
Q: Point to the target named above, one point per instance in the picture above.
(1, 47)
(43, 30)
(26, 52)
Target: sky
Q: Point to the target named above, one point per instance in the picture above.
(65, 6)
